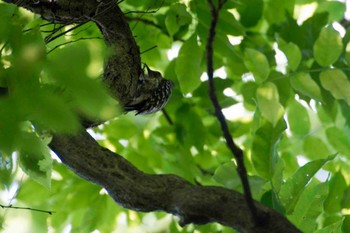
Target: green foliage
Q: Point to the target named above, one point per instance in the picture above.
(289, 116)
(328, 47)
(188, 63)
(257, 63)
(302, 82)
(268, 102)
(295, 186)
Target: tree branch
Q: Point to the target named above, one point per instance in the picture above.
(136, 190)
(235, 150)
(125, 184)
(26, 208)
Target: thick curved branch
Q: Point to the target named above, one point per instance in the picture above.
(125, 184)
(143, 192)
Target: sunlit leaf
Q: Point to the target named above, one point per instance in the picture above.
(335, 9)
(339, 140)
(314, 148)
(328, 46)
(298, 119)
(268, 102)
(293, 55)
(336, 82)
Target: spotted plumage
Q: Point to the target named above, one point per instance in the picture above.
(153, 93)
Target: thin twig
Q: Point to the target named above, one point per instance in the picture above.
(153, 47)
(26, 208)
(236, 151)
(3, 47)
(145, 21)
(167, 117)
(73, 41)
(50, 39)
(140, 12)
(52, 32)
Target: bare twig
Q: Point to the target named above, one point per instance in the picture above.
(236, 151)
(26, 208)
(153, 47)
(73, 41)
(167, 117)
(140, 12)
(52, 32)
(145, 21)
(49, 39)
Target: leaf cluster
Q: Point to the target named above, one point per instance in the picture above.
(283, 84)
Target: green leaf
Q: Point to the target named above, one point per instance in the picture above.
(336, 82)
(298, 119)
(35, 159)
(295, 185)
(276, 10)
(277, 179)
(248, 90)
(335, 9)
(187, 67)
(337, 187)
(229, 25)
(339, 140)
(333, 228)
(293, 55)
(8, 22)
(48, 110)
(303, 83)
(309, 207)
(268, 102)
(250, 12)
(328, 46)
(9, 125)
(315, 148)
(226, 175)
(257, 63)
(201, 93)
(264, 148)
(85, 94)
(176, 17)
(191, 127)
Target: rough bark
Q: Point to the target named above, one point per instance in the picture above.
(127, 185)
(136, 190)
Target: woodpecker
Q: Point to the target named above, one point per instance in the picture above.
(153, 92)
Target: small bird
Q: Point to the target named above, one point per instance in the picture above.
(153, 92)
